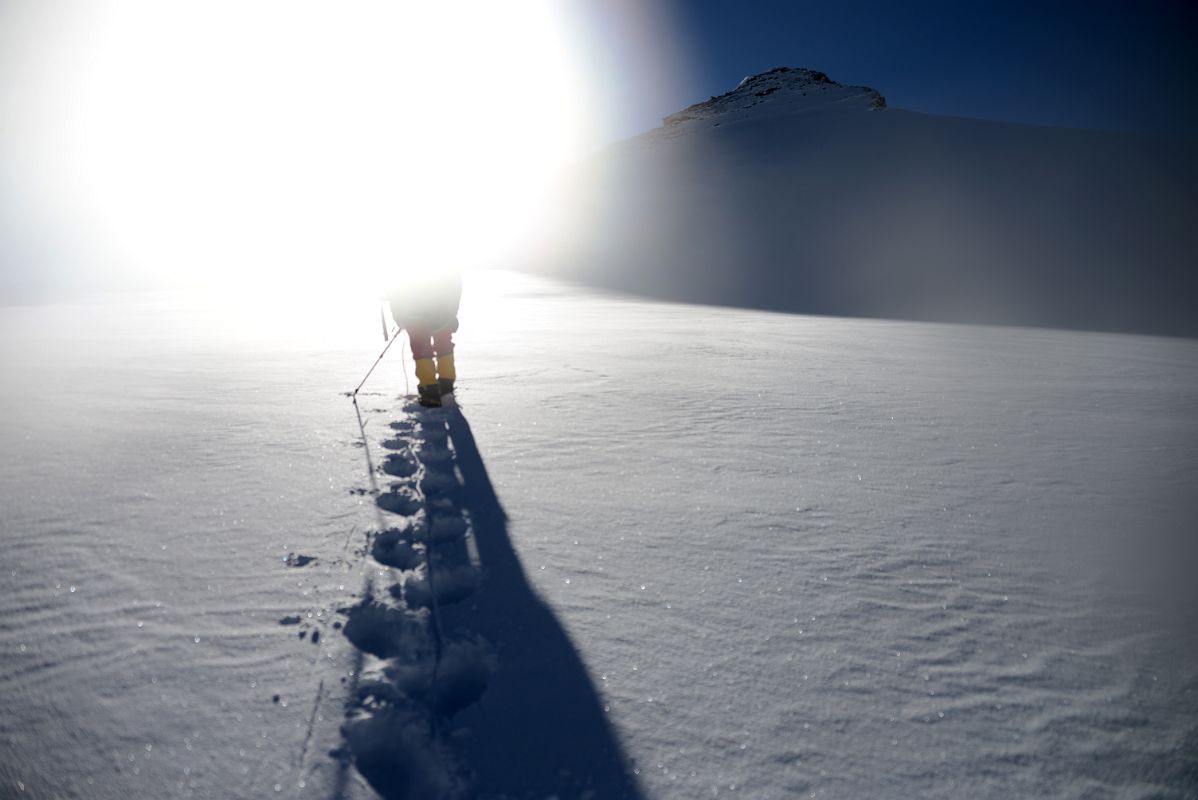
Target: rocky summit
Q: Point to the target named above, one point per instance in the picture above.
(782, 89)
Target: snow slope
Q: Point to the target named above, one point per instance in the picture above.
(796, 193)
(676, 552)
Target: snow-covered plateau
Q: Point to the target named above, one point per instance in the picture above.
(659, 551)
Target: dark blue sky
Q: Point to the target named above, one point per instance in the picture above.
(1109, 64)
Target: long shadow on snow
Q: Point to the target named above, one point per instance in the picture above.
(539, 729)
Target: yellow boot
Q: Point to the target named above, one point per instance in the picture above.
(447, 373)
(426, 382)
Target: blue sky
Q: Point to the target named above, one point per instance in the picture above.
(1092, 64)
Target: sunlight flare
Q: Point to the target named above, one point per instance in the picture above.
(271, 143)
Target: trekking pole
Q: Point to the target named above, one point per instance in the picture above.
(354, 393)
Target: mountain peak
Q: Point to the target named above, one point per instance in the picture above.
(783, 89)
(785, 76)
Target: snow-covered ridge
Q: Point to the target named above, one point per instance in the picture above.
(784, 88)
(787, 193)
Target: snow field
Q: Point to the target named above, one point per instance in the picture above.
(723, 553)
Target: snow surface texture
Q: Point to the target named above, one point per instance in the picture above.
(661, 551)
(797, 193)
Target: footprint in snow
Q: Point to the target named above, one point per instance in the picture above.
(401, 500)
(395, 548)
(444, 528)
(436, 481)
(413, 408)
(298, 560)
(399, 465)
(465, 669)
(436, 456)
(449, 585)
(387, 632)
(435, 437)
(445, 688)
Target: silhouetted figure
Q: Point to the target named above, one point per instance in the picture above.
(426, 306)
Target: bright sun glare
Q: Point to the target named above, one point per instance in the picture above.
(284, 144)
